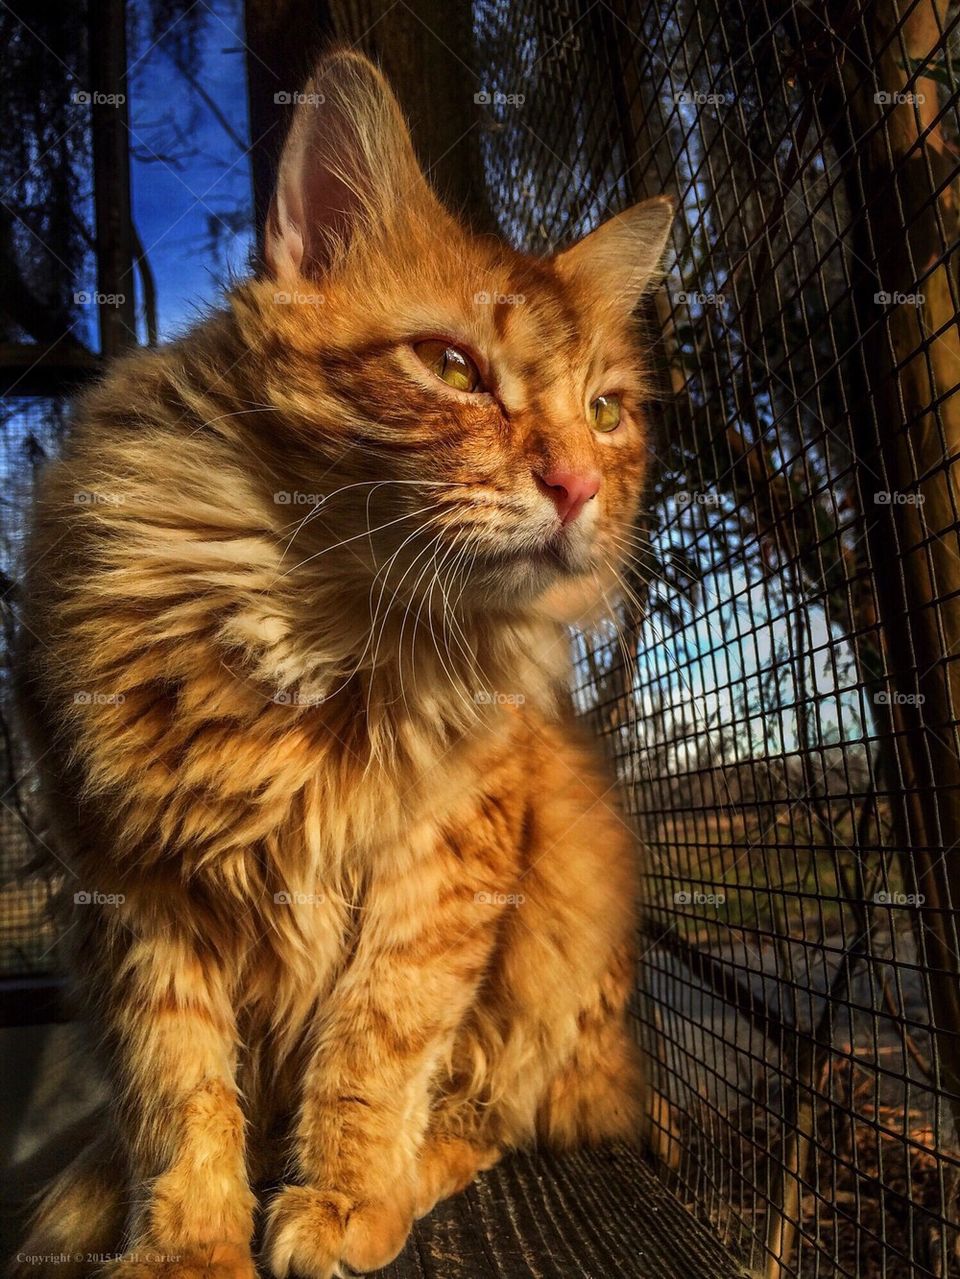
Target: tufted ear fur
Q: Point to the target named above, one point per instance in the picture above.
(348, 170)
(623, 255)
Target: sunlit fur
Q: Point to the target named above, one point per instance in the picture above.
(374, 895)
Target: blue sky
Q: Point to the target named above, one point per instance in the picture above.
(190, 179)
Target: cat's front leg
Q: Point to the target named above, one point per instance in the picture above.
(171, 1027)
(422, 948)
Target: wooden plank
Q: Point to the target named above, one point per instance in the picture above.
(26, 368)
(588, 1215)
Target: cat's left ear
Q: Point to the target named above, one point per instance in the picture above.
(348, 170)
(623, 256)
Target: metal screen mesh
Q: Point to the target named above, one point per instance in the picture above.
(779, 693)
(773, 738)
(29, 430)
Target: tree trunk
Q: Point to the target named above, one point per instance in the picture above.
(900, 171)
(283, 40)
(426, 50)
(111, 175)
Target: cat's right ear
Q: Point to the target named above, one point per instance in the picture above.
(348, 169)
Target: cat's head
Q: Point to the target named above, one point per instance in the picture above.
(461, 424)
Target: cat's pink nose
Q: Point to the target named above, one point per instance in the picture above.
(570, 491)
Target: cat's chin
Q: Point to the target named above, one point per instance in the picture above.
(576, 600)
(540, 586)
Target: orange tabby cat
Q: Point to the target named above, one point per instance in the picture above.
(354, 904)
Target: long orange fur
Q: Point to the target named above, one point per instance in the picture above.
(355, 899)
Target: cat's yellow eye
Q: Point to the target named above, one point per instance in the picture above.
(449, 364)
(605, 413)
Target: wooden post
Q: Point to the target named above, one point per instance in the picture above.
(111, 175)
(899, 169)
(283, 40)
(427, 51)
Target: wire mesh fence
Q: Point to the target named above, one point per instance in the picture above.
(30, 429)
(779, 692)
(778, 696)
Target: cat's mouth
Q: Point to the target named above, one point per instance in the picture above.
(556, 552)
(518, 567)
(559, 577)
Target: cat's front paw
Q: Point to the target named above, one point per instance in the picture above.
(317, 1234)
(446, 1166)
(216, 1261)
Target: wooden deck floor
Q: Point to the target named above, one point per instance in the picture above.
(592, 1215)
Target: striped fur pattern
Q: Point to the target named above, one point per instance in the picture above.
(351, 901)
